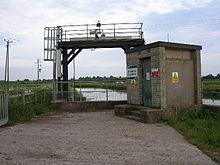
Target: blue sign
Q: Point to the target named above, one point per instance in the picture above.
(132, 72)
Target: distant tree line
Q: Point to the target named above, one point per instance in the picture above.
(211, 77)
(98, 78)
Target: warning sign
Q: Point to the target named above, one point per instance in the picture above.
(154, 72)
(175, 77)
(133, 84)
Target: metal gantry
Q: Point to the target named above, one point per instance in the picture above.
(55, 37)
(63, 43)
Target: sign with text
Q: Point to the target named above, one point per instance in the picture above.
(132, 72)
(154, 72)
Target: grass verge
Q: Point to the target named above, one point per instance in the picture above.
(211, 85)
(201, 129)
(114, 86)
(19, 112)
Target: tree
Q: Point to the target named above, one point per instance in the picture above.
(208, 77)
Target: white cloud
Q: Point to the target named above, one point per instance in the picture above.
(25, 20)
(28, 17)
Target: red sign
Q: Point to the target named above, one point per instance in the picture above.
(155, 72)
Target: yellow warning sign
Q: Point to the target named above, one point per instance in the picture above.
(175, 77)
(133, 84)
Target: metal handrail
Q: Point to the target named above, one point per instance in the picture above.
(3, 109)
(125, 23)
(89, 32)
(96, 95)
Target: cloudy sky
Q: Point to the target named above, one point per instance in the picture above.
(186, 21)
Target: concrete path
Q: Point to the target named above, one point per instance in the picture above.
(96, 138)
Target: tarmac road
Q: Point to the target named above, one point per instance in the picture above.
(95, 138)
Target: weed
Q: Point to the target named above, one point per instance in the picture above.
(201, 128)
(19, 112)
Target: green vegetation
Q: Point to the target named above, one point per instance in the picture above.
(79, 97)
(211, 85)
(22, 109)
(106, 85)
(16, 87)
(98, 78)
(211, 77)
(22, 112)
(201, 129)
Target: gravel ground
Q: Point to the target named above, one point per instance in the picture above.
(96, 138)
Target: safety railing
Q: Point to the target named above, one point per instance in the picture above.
(3, 109)
(88, 32)
(102, 31)
(91, 90)
(90, 94)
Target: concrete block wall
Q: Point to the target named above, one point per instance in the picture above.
(198, 81)
(160, 53)
(135, 96)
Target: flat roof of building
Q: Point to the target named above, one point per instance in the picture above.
(171, 45)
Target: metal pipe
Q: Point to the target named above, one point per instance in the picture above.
(80, 92)
(87, 30)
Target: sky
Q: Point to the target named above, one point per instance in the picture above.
(186, 21)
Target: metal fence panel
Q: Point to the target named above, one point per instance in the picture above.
(90, 95)
(3, 109)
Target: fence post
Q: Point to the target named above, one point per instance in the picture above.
(23, 97)
(35, 96)
(106, 94)
(114, 31)
(106, 89)
(44, 96)
(87, 32)
(80, 93)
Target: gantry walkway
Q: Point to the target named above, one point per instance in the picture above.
(91, 36)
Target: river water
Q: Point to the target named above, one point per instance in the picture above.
(211, 102)
(97, 94)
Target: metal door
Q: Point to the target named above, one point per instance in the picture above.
(3, 109)
(147, 95)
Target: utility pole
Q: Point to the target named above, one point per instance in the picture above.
(168, 37)
(74, 74)
(38, 69)
(8, 42)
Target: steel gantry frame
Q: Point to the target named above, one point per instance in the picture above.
(63, 43)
